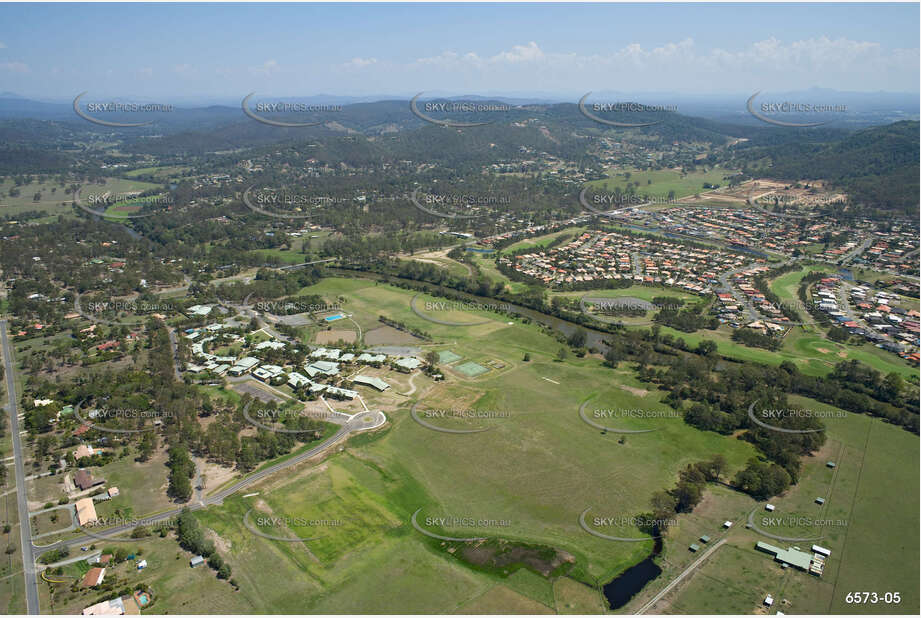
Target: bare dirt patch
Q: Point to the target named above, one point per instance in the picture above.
(387, 335)
(214, 475)
(639, 392)
(326, 337)
(222, 544)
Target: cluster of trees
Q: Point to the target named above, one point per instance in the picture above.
(421, 334)
(686, 494)
(688, 319)
(762, 479)
(755, 339)
(876, 167)
(191, 537)
(181, 472)
(719, 400)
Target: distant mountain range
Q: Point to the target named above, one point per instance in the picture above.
(864, 108)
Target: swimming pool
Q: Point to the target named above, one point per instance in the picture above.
(333, 318)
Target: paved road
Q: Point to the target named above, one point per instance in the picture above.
(358, 423)
(678, 579)
(856, 252)
(740, 298)
(844, 301)
(174, 345)
(303, 264)
(635, 261)
(25, 527)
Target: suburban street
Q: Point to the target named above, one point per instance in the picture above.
(25, 528)
(743, 300)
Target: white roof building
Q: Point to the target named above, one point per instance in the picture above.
(325, 367)
(409, 363)
(371, 381)
(296, 379)
(200, 309)
(268, 372)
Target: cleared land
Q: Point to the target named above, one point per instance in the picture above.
(658, 183)
(869, 521)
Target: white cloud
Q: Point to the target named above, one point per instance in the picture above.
(14, 67)
(359, 63)
(683, 65)
(520, 53)
(269, 67)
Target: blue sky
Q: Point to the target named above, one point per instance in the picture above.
(54, 51)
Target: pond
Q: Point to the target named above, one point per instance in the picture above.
(625, 586)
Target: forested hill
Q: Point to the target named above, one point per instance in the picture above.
(877, 167)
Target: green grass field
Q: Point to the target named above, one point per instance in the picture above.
(142, 486)
(12, 584)
(164, 172)
(786, 285)
(546, 239)
(870, 515)
(51, 201)
(812, 355)
(487, 264)
(659, 182)
(536, 467)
